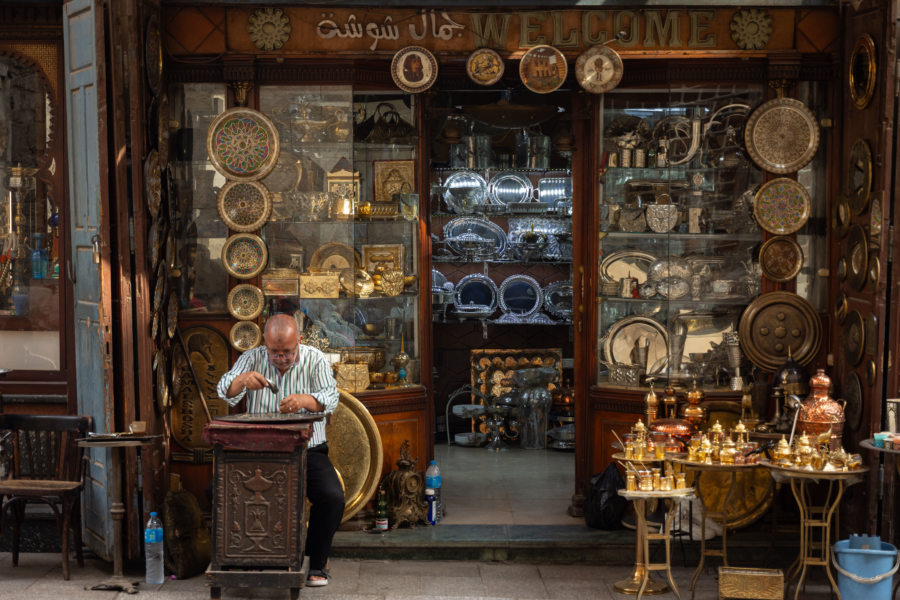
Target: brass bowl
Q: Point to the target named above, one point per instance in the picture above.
(373, 329)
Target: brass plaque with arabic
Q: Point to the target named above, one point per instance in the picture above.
(209, 354)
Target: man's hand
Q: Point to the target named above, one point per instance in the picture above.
(250, 380)
(296, 402)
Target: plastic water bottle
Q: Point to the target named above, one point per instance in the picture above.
(431, 516)
(153, 548)
(433, 482)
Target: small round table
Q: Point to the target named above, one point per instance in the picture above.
(891, 454)
(815, 518)
(643, 566)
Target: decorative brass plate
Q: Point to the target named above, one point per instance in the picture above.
(751, 499)
(355, 450)
(172, 315)
(781, 258)
(782, 135)
(853, 399)
(543, 69)
(854, 337)
(874, 270)
(840, 216)
(152, 183)
(776, 324)
(599, 69)
(243, 144)
(245, 302)
(244, 335)
(840, 307)
(859, 176)
(782, 206)
(162, 131)
(876, 218)
(871, 372)
(244, 205)
(163, 401)
(153, 54)
(334, 256)
(208, 352)
(244, 255)
(862, 71)
(484, 66)
(842, 269)
(871, 337)
(414, 69)
(857, 257)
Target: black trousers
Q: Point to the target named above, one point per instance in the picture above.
(323, 489)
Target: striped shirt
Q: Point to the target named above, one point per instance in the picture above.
(310, 374)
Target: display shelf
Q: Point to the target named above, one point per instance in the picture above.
(663, 238)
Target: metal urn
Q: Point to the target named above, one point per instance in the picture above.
(821, 413)
(536, 399)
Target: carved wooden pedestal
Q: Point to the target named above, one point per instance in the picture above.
(259, 520)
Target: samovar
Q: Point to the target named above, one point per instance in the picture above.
(819, 412)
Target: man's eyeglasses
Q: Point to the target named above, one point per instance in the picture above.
(282, 355)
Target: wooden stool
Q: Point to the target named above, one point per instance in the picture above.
(736, 582)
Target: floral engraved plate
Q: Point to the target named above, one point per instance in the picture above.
(152, 183)
(244, 205)
(393, 177)
(245, 335)
(153, 56)
(782, 206)
(781, 258)
(543, 69)
(243, 144)
(782, 135)
(244, 255)
(414, 69)
(245, 302)
(484, 66)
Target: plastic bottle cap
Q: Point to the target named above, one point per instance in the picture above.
(429, 491)
(433, 462)
(153, 514)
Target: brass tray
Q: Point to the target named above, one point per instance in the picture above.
(244, 205)
(153, 54)
(876, 218)
(782, 135)
(152, 183)
(840, 216)
(781, 258)
(782, 206)
(854, 337)
(163, 400)
(857, 257)
(862, 71)
(162, 131)
(777, 324)
(243, 144)
(753, 491)
(491, 369)
(840, 307)
(484, 66)
(543, 69)
(245, 302)
(334, 256)
(853, 400)
(244, 255)
(172, 315)
(244, 335)
(859, 176)
(599, 69)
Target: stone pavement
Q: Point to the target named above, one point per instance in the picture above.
(39, 577)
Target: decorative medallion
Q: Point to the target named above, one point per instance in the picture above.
(781, 258)
(269, 28)
(874, 269)
(842, 269)
(661, 218)
(782, 135)
(152, 183)
(862, 71)
(857, 257)
(778, 324)
(876, 218)
(244, 255)
(245, 302)
(245, 335)
(153, 54)
(782, 206)
(414, 69)
(484, 66)
(244, 205)
(751, 29)
(243, 144)
(840, 307)
(859, 176)
(853, 400)
(162, 131)
(599, 69)
(840, 216)
(854, 337)
(543, 69)
(172, 315)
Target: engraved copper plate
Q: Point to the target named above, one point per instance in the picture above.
(781, 258)
(776, 324)
(245, 335)
(543, 69)
(853, 400)
(208, 352)
(244, 205)
(484, 66)
(782, 135)
(243, 144)
(152, 183)
(859, 176)
(244, 255)
(414, 69)
(782, 206)
(854, 337)
(857, 257)
(153, 55)
(245, 302)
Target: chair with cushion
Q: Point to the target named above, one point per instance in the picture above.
(45, 465)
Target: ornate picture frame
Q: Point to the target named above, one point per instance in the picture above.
(391, 177)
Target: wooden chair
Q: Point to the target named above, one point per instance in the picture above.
(46, 466)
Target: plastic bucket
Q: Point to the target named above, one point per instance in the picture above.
(864, 572)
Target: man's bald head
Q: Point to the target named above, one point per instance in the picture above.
(281, 331)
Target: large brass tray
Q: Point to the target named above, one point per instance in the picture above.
(354, 447)
(777, 324)
(751, 499)
(782, 135)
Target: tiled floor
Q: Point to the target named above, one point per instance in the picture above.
(512, 487)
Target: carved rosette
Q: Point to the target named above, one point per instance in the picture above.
(269, 28)
(751, 29)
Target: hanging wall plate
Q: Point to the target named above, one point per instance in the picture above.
(543, 69)
(854, 338)
(840, 307)
(876, 218)
(243, 144)
(777, 324)
(153, 54)
(484, 66)
(840, 216)
(862, 71)
(782, 206)
(245, 302)
(244, 205)
(859, 176)
(152, 183)
(244, 255)
(245, 335)
(780, 258)
(871, 372)
(782, 135)
(874, 270)
(853, 400)
(857, 257)
(162, 130)
(414, 69)
(599, 69)
(871, 334)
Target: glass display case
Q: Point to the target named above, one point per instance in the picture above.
(678, 256)
(327, 232)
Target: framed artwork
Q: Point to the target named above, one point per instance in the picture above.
(393, 177)
(389, 255)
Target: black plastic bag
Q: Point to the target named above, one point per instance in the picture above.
(603, 506)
